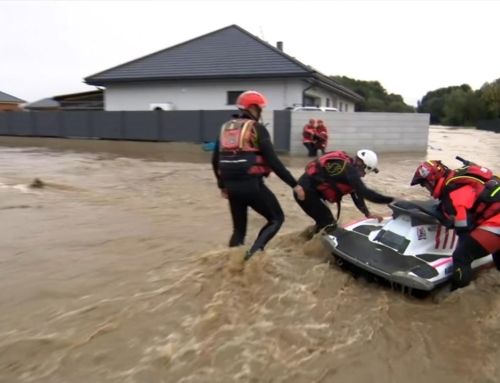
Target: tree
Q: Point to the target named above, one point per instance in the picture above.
(376, 97)
(457, 105)
(461, 105)
(491, 97)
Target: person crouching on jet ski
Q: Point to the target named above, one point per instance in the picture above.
(332, 176)
(470, 203)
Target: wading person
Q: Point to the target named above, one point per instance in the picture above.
(243, 156)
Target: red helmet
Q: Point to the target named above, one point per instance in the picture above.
(428, 174)
(250, 98)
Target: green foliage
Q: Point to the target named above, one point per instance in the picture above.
(457, 105)
(461, 105)
(491, 97)
(376, 97)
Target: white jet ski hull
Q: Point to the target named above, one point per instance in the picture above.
(410, 248)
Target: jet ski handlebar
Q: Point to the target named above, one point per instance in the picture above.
(464, 161)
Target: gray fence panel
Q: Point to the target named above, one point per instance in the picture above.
(106, 125)
(143, 126)
(212, 121)
(76, 124)
(21, 124)
(177, 126)
(282, 129)
(4, 127)
(47, 124)
(489, 125)
(180, 126)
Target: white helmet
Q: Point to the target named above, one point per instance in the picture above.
(370, 160)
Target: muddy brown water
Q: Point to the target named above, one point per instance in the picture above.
(118, 271)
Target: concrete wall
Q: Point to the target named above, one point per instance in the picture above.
(382, 132)
(194, 96)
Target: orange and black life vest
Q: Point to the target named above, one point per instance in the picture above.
(485, 183)
(324, 171)
(473, 175)
(308, 133)
(239, 154)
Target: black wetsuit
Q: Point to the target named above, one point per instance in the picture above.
(316, 207)
(253, 193)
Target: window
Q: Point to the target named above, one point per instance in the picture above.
(309, 100)
(233, 95)
(327, 102)
(340, 106)
(346, 107)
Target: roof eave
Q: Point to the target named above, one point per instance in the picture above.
(79, 94)
(340, 90)
(103, 82)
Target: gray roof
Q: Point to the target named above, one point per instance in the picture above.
(228, 53)
(4, 97)
(43, 103)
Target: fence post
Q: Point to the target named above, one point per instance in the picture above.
(201, 123)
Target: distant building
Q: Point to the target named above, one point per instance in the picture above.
(211, 71)
(93, 100)
(9, 103)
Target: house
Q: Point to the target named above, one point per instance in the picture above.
(93, 100)
(45, 104)
(211, 71)
(9, 103)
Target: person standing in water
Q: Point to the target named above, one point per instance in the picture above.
(243, 156)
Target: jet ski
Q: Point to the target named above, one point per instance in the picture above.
(410, 248)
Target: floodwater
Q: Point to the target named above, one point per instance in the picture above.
(118, 271)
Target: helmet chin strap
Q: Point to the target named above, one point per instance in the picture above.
(257, 118)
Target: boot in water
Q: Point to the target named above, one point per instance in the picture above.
(250, 253)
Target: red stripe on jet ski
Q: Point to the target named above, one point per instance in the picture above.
(453, 239)
(355, 222)
(360, 220)
(446, 238)
(441, 263)
(438, 237)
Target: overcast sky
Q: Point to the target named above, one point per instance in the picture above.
(47, 48)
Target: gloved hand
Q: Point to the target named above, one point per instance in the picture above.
(301, 194)
(461, 230)
(450, 224)
(447, 224)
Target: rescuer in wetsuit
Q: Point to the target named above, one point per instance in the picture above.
(321, 137)
(309, 138)
(470, 204)
(242, 157)
(332, 176)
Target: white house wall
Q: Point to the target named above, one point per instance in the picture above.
(382, 132)
(335, 99)
(195, 96)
